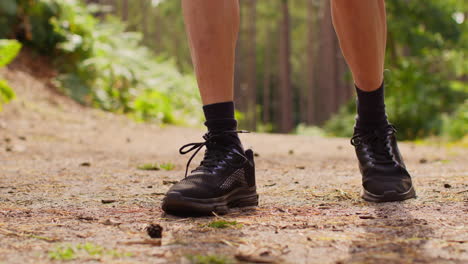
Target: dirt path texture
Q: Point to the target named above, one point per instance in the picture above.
(72, 190)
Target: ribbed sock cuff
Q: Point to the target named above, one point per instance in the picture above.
(223, 110)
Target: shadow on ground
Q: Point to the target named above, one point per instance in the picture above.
(394, 236)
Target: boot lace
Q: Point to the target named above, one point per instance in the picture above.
(378, 143)
(214, 153)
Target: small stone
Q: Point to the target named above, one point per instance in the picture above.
(366, 217)
(256, 154)
(85, 164)
(290, 152)
(446, 185)
(300, 167)
(22, 138)
(154, 230)
(423, 161)
(108, 201)
(149, 186)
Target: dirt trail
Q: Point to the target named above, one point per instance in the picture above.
(59, 160)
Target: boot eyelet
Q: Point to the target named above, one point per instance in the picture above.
(356, 141)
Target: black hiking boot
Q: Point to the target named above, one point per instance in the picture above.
(225, 179)
(384, 175)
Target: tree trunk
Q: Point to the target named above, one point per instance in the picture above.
(327, 77)
(239, 92)
(344, 89)
(286, 118)
(252, 65)
(157, 24)
(145, 10)
(124, 10)
(311, 84)
(267, 79)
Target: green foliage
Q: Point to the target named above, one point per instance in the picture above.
(6, 93)
(8, 51)
(305, 130)
(86, 250)
(455, 126)
(209, 259)
(149, 167)
(342, 124)
(222, 224)
(62, 253)
(167, 166)
(103, 65)
(155, 166)
(28, 21)
(418, 99)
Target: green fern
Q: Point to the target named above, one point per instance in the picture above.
(9, 49)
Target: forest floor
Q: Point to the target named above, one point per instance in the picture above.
(70, 189)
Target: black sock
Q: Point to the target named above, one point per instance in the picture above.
(371, 109)
(220, 118)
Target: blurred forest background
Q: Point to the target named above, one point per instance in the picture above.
(132, 57)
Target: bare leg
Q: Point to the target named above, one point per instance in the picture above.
(212, 28)
(362, 30)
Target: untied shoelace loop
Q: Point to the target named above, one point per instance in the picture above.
(197, 146)
(372, 138)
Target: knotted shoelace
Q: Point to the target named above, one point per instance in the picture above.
(379, 142)
(215, 152)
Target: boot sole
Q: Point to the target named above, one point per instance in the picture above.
(390, 196)
(176, 204)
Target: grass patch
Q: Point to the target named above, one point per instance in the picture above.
(62, 253)
(87, 250)
(223, 224)
(149, 167)
(167, 166)
(209, 259)
(155, 166)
